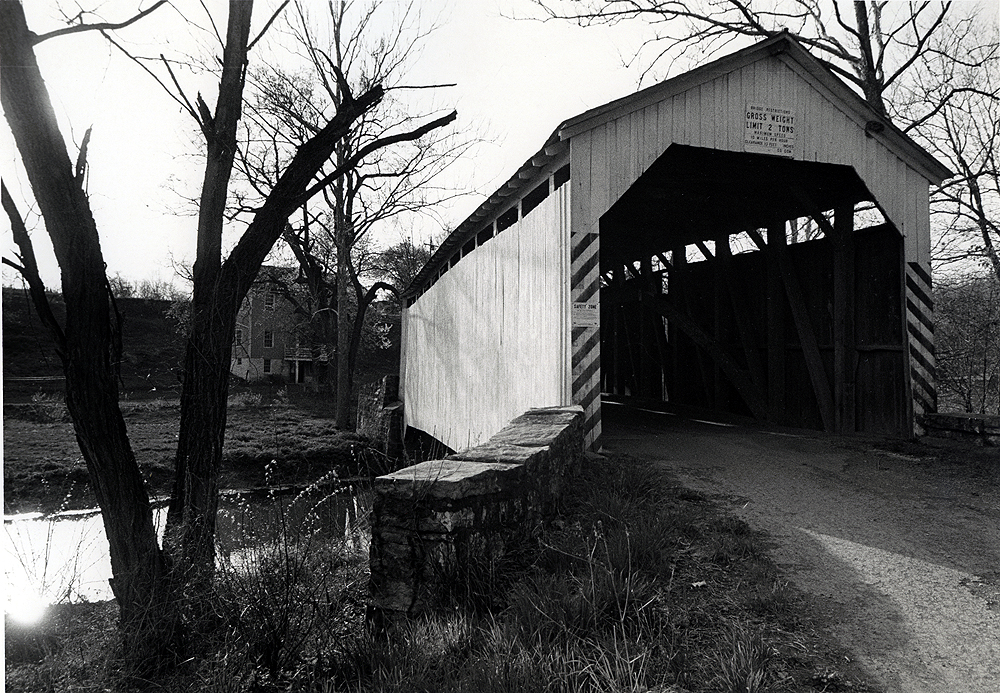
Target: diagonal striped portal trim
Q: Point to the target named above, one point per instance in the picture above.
(920, 338)
(586, 356)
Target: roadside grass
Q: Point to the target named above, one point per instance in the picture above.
(640, 585)
(43, 466)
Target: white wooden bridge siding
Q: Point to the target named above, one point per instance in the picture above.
(490, 338)
(608, 158)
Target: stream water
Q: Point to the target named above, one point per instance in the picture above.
(63, 557)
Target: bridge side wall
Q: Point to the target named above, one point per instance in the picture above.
(490, 338)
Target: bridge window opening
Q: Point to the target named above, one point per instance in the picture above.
(697, 252)
(802, 229)
(741, 243)
(560, 177)
(507, 219)
(484, 235)
(469, 247)
(534, 198)
(867, 215)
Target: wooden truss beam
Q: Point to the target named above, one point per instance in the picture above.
(740, 378)
(724, 255)
(806, 332)
(775, 326)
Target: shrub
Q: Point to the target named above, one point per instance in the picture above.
(47, 408)
(246, 399)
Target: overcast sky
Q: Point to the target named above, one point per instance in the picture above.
(516, 81)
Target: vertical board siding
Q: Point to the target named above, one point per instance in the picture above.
(711, 115)
(487, 341)
(610, 157)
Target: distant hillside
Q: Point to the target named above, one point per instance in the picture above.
(152, 349)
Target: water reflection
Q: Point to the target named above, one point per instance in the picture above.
(63, 557)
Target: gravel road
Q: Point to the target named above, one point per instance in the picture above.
(901, 552)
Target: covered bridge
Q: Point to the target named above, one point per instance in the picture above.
(748, 237)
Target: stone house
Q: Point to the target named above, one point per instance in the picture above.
(273, 332)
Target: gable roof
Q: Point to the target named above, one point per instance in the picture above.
(782, 46)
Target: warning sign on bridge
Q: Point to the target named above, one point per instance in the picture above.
(586, 315)
(769, 130)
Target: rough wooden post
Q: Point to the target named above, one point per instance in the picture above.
(844, 353)
(775, 324)
(380, 416)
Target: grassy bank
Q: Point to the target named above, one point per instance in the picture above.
(641, 585)
(43, 469)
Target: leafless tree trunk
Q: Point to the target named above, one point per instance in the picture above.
(88, 344)
(387, 185)
(220, 286)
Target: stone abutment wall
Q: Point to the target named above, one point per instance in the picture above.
(981, 429)
(430, 519)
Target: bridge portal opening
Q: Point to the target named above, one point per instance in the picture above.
(755, 285)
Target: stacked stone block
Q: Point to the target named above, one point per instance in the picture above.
(981, 429)
(380, 416)
(431, 519)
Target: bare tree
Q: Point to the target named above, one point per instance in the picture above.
(399, 181)
(400, 263)
(220, 285)
(967, 344)
(872, 45)
(951, 104)
(87, 342)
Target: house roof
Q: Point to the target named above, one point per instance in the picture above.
(784, 46)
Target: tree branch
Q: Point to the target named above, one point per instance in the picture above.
(29, 270)
(81, 159)
(203, 123)
(100, 26)
(267, 25)
(372, 146)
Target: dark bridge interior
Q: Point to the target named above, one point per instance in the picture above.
(741, 283)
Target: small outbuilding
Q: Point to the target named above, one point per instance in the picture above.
(749, 237)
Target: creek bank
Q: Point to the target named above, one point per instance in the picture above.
(279, 444)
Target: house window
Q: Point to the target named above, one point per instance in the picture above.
(267, 365)
(268, 338)
(269, 298)
(239, 337)
(239, 362)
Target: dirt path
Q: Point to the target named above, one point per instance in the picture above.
(900, 552)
